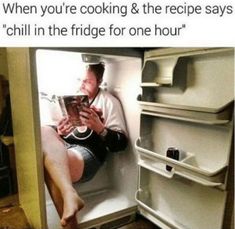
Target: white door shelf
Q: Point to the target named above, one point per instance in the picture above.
(174, 203)
(206, 148)
(210, 116)
(188, 167)
(202, 79)
(182, 52)
(163, 72)
(152, 106)
(154, 85)
(157, 214)
(159, 71)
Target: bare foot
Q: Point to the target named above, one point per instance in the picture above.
(72, 204)
(72, 224)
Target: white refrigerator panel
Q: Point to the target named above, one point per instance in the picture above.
(189, 111)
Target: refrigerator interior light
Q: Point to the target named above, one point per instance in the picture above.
(91, 59)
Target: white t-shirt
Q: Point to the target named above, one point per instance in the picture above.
(112, 111)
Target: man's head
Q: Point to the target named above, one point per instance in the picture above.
(98, 70)
(92, 79)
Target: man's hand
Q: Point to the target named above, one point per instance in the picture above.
(92, 118)
(64, 127)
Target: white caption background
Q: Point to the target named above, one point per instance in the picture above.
(117, 23)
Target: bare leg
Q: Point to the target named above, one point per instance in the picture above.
(58, 201)
(57, 162)
(55, 193)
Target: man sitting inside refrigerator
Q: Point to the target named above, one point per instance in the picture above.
(75, 153)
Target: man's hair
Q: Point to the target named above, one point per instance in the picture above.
(97, 69)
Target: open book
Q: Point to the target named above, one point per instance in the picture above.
(53, 108)
(71, 105)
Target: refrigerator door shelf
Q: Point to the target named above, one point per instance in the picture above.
(180, 203)
(187, 118)
(195, 78)
(159, 71)
(187, 167)
(158, 215)
(220, 115)
(182, 52)
(169, 175)
(154, 85)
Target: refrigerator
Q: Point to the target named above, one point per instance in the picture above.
(178, 103)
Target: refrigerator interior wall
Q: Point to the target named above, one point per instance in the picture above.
(110, 194)
(122, 80)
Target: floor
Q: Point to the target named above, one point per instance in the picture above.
(140, 223)
(12, 217)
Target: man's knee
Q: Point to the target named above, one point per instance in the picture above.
(48, 135)
(50, 141)
(47, 131)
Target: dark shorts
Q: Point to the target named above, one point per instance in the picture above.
(91, 163)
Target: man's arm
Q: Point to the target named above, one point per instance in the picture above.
(114, 140)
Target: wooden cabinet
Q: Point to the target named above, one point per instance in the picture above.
(3, 63)
(26, 128)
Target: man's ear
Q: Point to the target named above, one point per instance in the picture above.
(100, 81)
